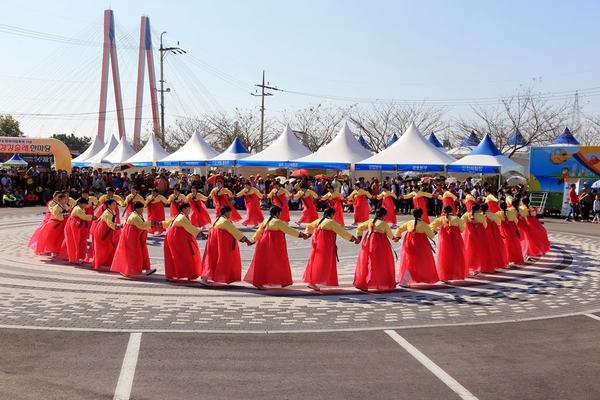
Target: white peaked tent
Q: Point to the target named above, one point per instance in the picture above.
(412, 152)
(196, 152)
(122, 152)
(148, 155)
(230, 157)
(108, 148)
(486, 159)
(280, 154)
(94, 148)
(342, 152)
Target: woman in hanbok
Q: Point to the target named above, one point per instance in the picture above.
(416, 256)
(252, 197)
(47, 215)
(131, 256)
(540, 232)
(474, 237)
(155, 206)
(52, 233)
(77, 231)
(270, 265)
(418, 197)
(375, 267)
(309, 210)
(510, 233)
(359, 198)
(222, 197)
(200, 216)
(448, 199)
(450, 250)
(105, 237)
(182, 254)
(174, 201)
(222, 262)
(334, 200)
(491, 201)
(496, 249)
(529, 243)
(388, 203)
(321, 268)
(131, 199)
(110, 195)
(279, 197)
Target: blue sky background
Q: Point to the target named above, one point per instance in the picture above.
(452, 53)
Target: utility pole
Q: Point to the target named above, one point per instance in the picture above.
(163, 52)
(262, 107)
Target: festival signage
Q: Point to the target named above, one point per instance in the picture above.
(553, 168)
(62, 156)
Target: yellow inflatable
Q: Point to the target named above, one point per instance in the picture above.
(42, 146)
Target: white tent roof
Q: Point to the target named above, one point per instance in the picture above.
(94, 148)
(196, 152)
(108, 148)
(339, 153)
(412, 152)
(122, 152)
(486, 159)
(280, 153)
(460, 152)
(148, 155)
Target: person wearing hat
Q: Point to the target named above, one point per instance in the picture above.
(131, 256)
(155, 204)
(280, 199)
(77, 231)
(181, 251)
(175, 200)
(359, 197)
(200, 216)
(131, 199)
(270, 265)
(222, 262)
(221, 197)
(252, 197)
(105, 237)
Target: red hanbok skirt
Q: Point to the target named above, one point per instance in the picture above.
(174, 209)
(451, 254)
(270, 265)
(222, 262)
(223, 200)
(417, 259)
(449, 201)
(529, 243)
(388, 204)
(375, 267)
(182, 255)
(76, 233)
(131, 256)
(493, 206)
(128, 210)
(104, 243)
(511, 242)
(156, 212)
(322, 261)
(498, 258)
(361, 209)
(99, 211)
(469, 204)
(199, 216)
(475, 247)
(421, 203)
(36, 234)
(309, 211)
(281, 201)
(51, 236)
(254, 214)
(540, 234)
(336, 204)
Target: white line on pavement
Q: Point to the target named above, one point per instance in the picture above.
(431, 366)
(592, 316)
(125, 382)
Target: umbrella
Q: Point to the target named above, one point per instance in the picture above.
(103, 164)
(516, 180)
(426, 179)
(596, 185)
(281, 179)
(323, 176)
(300, 172)
(212, 179)
(451, 180)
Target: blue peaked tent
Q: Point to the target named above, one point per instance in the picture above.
(392, 140)
(517, 140)
(566, 138)
(485, 159)
(364, 143)
(236, 151)
(472, 140)
(434, 141)
(15, 161)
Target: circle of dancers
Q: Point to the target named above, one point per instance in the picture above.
(488, 236)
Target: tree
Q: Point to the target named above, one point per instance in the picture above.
(9, 126)
(74, 143)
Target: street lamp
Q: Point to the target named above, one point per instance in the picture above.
(163, 52)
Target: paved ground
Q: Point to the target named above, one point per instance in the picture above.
(521, 333)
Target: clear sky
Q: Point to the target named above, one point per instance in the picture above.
(451, 53)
